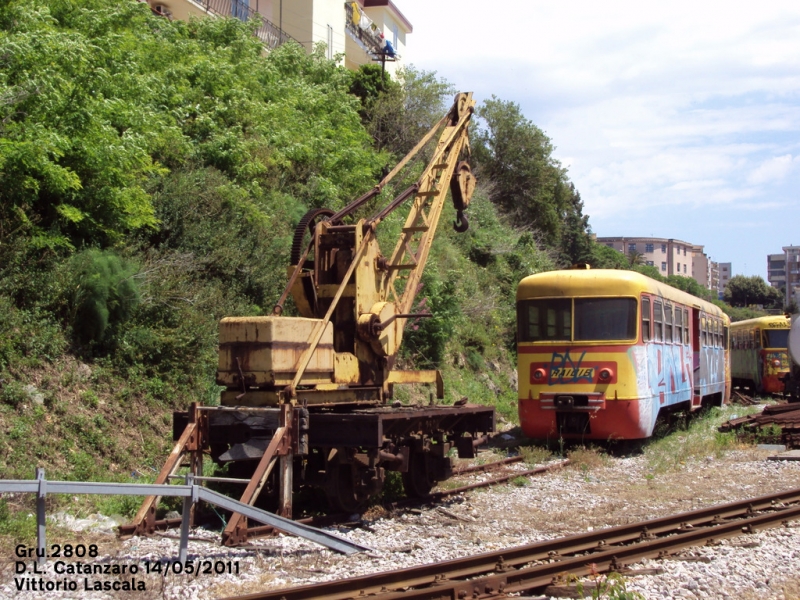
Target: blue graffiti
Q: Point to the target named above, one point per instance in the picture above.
(563, 369)
(667, 374)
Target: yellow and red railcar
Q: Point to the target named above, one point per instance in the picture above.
(759, 359)
(601, 353)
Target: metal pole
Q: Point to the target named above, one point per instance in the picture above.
(41, 535)
(285, 461)
(186, 518)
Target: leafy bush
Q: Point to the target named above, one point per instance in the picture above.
(104, 294)
(28, 336)
(425, 339)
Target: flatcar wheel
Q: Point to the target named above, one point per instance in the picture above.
(342, 489)
(418, 481)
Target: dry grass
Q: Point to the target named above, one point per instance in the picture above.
(534, 455)
(696, 442)
(587, 458)
(785, 590)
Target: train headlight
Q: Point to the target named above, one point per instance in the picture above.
(776, 363)
(539, 375)
(606, 374)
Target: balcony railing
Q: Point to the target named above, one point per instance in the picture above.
(269, 33)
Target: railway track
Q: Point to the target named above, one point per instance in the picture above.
(534, 566)
(338, 518)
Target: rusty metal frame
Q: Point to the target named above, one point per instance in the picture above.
(279, 448)
(192, 440)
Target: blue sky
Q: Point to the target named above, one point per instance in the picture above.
(676, 121)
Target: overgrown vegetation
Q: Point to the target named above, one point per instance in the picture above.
(693, 439)
(152, 175)
(153, 172)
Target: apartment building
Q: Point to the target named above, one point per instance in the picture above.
(725, 274)
(362, 31)
(669, 256)
(783, 272)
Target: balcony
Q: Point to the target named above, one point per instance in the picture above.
(366, 34)
(269, 33)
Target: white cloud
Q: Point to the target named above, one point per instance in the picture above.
(773, 169)
(687, 105)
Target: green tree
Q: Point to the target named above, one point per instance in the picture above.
(104, 294)
(75, 136)
(635, 259)
(370, 82)
(402, 114)
(604, 257)
(576, 242)
(517, 157)
(745, 291)
(690, 285)
(101, 98)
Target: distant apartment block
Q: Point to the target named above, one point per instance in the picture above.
(783, 272)
(725, 274)
(670, 257)
(363, 31)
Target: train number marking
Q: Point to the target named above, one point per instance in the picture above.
(564, 369)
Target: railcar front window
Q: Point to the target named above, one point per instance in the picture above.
(544, 320)
(777, 338)
(600, 319)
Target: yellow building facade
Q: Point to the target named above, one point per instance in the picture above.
(358, 31)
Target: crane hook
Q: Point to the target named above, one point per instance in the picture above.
(461, 224)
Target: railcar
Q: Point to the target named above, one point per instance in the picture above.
(601, 353)
(759, 359)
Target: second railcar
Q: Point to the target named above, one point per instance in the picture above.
(602, 352)
(759, 359)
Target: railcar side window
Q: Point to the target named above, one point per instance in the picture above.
(668, 323)
(645, 319)
(542, 320)
(598, 319)
(658, 322)
(725, 337)
(704, 330)
(678, 325)
(686, 326)
(757, 338)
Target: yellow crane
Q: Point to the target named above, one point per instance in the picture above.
(312, 394)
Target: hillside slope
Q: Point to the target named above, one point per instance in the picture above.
(152, 175)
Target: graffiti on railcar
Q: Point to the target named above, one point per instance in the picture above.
(565, 369)
(663, 372)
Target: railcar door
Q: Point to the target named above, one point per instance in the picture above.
(697, 376)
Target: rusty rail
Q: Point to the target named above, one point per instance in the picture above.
(534, 566)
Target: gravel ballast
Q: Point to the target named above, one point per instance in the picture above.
(571, 500)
